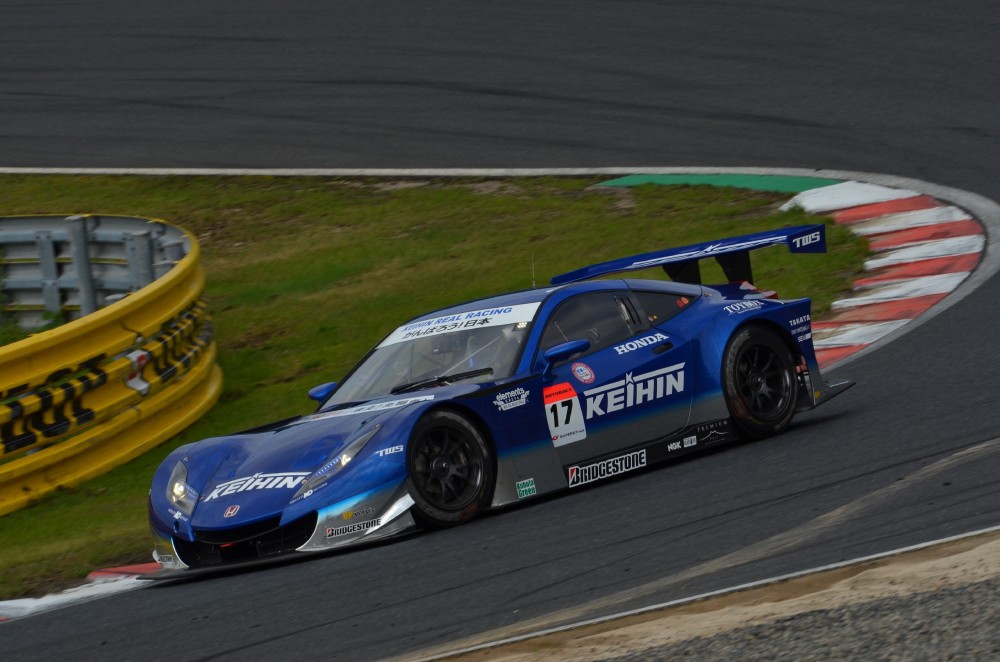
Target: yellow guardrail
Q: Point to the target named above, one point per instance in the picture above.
(85, 397)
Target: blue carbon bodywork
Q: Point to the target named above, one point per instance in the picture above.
(340, 476)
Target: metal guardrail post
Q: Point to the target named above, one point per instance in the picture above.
(174, 250)
(139, 252)
(50, 272)
(81, 263)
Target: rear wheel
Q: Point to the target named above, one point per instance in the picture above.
(758, 378)
(450, 469)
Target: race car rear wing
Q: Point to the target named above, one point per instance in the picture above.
(732, 254)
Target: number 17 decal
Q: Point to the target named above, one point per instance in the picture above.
(564, 415)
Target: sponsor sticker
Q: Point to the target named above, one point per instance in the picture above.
(714, 432)
(162, 553)
(681, 444)
(557, 392)
(583, 372)
(588, 473)
(526, 488)
(361, 512)
(511, 399)
(806, 240)
(389, 451)
(645, 341)
(563, 413)
(743, 306)
(258, 481)
(333, 532)
(634, 390)
(523, 312)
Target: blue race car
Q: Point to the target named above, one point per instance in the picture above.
(504, 399)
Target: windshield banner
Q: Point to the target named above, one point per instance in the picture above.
(469, 319)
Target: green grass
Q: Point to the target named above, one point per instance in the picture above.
(305, 274)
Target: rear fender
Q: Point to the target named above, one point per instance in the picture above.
(793, 324)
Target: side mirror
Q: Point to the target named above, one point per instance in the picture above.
(322, 392)
(560, 352)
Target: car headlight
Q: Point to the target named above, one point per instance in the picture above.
(331, 468)
(179, 493)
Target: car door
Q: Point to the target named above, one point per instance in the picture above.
(628, 388)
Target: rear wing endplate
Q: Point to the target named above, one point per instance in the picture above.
(732, 254)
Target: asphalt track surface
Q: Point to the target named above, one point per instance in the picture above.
(907, 88)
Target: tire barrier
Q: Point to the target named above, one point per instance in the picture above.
(133, 369)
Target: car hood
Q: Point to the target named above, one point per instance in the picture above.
(250, 476)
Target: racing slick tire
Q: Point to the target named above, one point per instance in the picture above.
(450, 470)
(759, 382)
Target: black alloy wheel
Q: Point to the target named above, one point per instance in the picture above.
(451, 469)
(758, 375)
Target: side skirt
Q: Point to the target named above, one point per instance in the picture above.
(690, 440)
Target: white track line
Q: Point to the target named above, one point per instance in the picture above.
(445, 172)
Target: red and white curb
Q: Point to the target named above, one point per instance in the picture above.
(923, 250)
(138, 570)
(100, 583)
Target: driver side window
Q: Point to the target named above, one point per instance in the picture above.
(603, 318)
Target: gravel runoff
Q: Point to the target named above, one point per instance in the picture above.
(957, 623)
(939, 602)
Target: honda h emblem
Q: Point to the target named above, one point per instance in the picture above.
(231, 510)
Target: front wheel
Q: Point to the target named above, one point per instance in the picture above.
(450, 469)
(758, 378)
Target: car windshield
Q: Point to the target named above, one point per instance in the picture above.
(471, 346)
